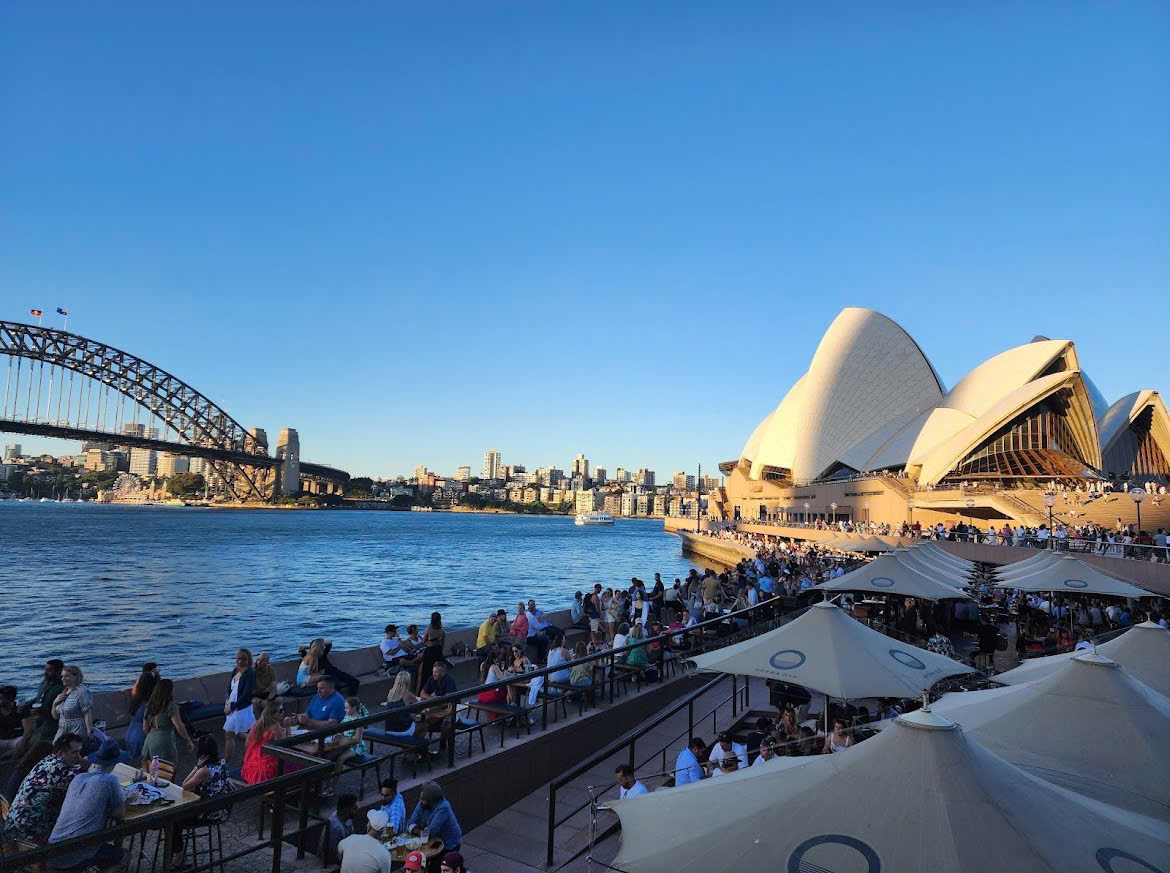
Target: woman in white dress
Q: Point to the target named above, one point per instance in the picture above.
(238, 707)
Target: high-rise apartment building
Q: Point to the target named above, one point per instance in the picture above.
(168, 465)
(683, 481)
(143, 462)
(463, 474)
(621, 475)
(12, 450)
(644, 477)
(420, 474)
(581, 466)
(493, 465)
(599, 475)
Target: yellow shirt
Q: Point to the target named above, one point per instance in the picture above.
(487, 634)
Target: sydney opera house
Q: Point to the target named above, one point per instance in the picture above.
(871, 429)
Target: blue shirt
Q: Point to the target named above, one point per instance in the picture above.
(440, 822)
(92, 798)
(766, 584)
(332, 707)
(396, 811)
(686, 768)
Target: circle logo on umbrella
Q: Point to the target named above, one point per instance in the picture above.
(1105, 860)
(882, 582)
(787, 659)
(1076, 583)
(797, 864)
(907, 660)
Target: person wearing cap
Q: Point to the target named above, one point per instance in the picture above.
(94, 797)
(364, 853)
(415, 861)
(726, 748)
(453, 863)
(433, 814)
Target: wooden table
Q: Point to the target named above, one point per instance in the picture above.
(174, 792)
(332, 749)
(430, 850)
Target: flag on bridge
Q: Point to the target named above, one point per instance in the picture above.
(36, 313)
(61, 311)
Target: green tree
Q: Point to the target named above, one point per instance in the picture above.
(185, 483)
(359, 486)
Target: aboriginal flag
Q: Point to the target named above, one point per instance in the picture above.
(36, 313)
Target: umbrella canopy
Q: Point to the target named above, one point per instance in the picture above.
(921, 797)
(1070, 575)
(889, 575)
(935, 552)
(827, 651)
(949, 575)
(1028, 565)
(1087, 725)
(873, 544)
(1143, 650)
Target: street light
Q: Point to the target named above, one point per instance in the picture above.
(833, 508)
(806, 513)
(1137, 495)
(910, 506)
(970, 501)
(865, 506)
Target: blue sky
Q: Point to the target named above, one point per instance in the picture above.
(416, 231)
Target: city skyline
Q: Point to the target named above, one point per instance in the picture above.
(391, 249)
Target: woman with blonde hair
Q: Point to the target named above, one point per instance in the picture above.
(238, 706)
(73, 707)
(270, 726)
(309, 671)
(400, 697)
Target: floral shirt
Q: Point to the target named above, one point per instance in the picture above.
(217, 783)
(37, 804)
(940, 645)
(359, 748)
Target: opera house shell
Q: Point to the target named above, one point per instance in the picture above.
(871, 402)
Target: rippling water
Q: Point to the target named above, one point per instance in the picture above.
(109, 587)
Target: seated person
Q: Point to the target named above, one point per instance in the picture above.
(393, 805)
(337, 828)
(364, 853)
(38, 801)
(439, 683)
(394, 652)
(726, 748)
(687, 767)
(327, 707)
(264, 687)
(10, 721)
(433, 813)
(94, 797)
(727, 765)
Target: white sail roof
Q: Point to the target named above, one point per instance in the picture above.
(1055, 726)
(1143, 650)
(825, 650)
(921, 797)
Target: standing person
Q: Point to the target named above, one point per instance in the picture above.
(433, 639)
(73, 707)
(93, 798)
(593, 613)
(238, 707)
(161, 723)
(37, 802)
(140, 693)
(259, 766)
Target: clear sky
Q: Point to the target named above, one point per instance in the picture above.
(417, 231)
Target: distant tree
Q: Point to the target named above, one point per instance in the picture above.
(359, 486)
(474, 480)
(185, 483)
(402, 500)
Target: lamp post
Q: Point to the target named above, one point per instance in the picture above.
(1137, 495)
(910, 506)
(833, 509)
(806, 513)
(1050, 501)
(865, 506)
(970, 501)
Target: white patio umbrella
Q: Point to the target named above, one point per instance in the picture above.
(1143, 650)
(888, 574)
(873, 544)
(921, 797)
(1087, 725)
(935, 552)
(1069, 575)
(827, 651)
(1028, 565)
(948, 575)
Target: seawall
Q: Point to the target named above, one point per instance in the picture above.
(720, 551)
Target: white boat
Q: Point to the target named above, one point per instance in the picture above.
(594, 518)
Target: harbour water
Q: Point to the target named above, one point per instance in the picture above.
(109, 587)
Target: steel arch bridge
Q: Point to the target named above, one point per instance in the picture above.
(202, 428)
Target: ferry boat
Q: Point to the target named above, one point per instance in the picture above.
(594, 518)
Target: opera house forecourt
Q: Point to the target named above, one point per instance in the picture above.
(871, 433)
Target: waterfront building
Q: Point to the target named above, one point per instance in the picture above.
(580, 466)
(463, 474)
(613, 504)
(168, 465)
(872, 404)
(143, 462)
(587, 501)
(13, 450)
(101, 460)
(492, 465)
(7, 470)
(660, 502)
(643, 504)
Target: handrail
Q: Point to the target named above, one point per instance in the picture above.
(312, 770)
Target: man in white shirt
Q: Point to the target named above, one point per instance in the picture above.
(630, 786)
(364, 853)
(687, 768)
(725, 748)
(767, 753)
